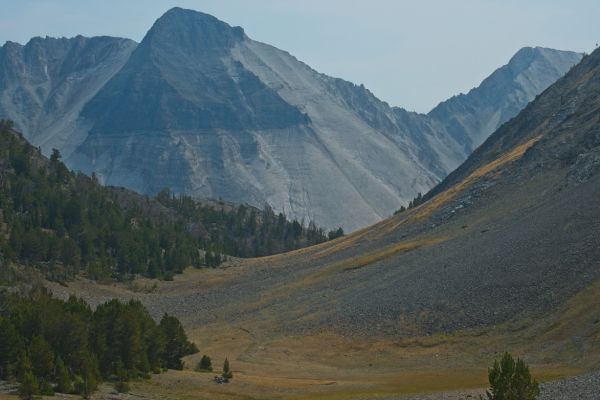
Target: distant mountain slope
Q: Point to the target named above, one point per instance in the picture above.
(45, 84)
(472, 117)
(223, 116)
(202, 109)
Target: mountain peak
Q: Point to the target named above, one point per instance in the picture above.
(178, 14)
(523, 58)
(193, 30)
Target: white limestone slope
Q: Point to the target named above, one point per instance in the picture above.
(346, 171)
(47, 82)
(502, 95)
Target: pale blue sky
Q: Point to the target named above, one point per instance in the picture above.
(409, 53)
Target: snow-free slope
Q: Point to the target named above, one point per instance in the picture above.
(202, 109)
(45, 84)
(472, 117)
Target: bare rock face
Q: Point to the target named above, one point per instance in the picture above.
(202, 109)
(45, 84)
(472, 117)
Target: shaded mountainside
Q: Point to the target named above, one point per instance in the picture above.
(224, 116)
(201, 108)
(61, 223)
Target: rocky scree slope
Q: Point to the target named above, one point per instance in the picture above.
(202, 109)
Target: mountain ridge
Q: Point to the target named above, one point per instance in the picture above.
(515, 75)
(201, 108)
(46, 82)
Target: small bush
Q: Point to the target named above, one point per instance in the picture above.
(510, 380)
(205, 364)
(122, 387)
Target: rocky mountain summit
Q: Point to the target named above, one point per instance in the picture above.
(201, 108)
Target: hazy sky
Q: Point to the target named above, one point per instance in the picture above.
(409, 53)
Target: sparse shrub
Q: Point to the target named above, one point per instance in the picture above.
(510, 380)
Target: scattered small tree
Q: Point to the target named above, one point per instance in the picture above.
(121, 385)
(29, 386)
(510, 380)
(400, 210)
(339, 232)
(177, 345)
(63, 378)
(41, 357)
(55, 156)
(205, 364)
(227, 374)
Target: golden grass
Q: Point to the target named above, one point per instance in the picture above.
(384, 253)
(344, 265)
(325, 249)
(329, 366)
(444, 197)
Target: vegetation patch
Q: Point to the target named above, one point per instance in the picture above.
(427, 208)
(387, 252)
(50, 345)
(63, 223)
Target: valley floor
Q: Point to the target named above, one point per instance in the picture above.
(270, 363)
(180, 385)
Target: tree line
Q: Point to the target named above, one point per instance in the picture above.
(64, 222)
(49, 345)
(417, 201)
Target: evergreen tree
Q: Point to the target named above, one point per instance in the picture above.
(47, 341)
(176, 343)
(29, 386)
(205, 364)
(121, 385)
(64, 223)
(63, 378)
(510, 380)
(227, 374)
(10, 343)
(42, 358)
(339, 232)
